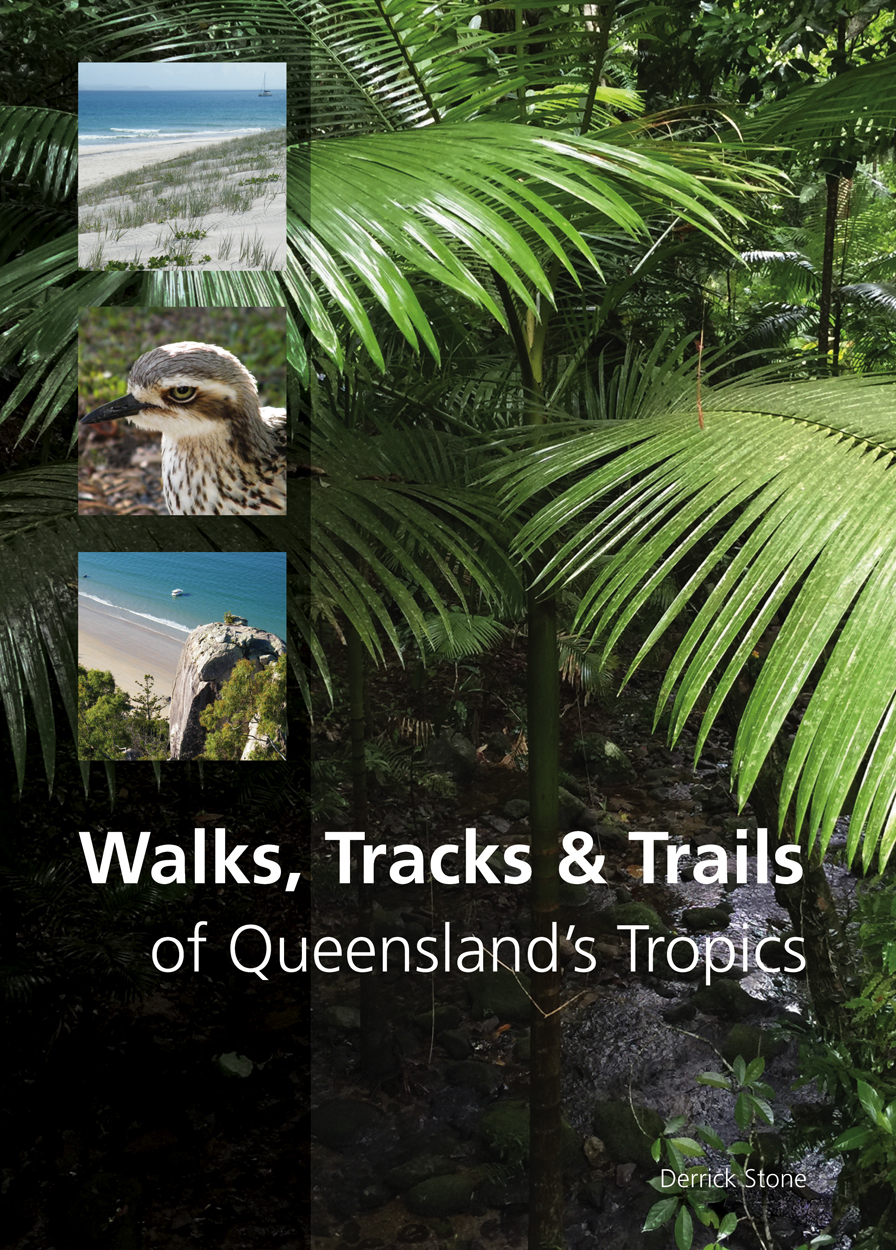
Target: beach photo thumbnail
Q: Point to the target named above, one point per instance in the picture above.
(181, 165)
(182, 411)
(182, 655)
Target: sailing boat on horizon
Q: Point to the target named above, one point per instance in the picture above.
(264, 87)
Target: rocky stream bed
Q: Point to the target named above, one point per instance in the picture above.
(432, 1150)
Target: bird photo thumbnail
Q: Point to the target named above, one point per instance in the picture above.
(173, 373)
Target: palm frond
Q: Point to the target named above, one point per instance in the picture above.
(37, 628)
(792, 265)
(786, 502)
(38, 148)
(849, 116)
(385, 540)
(458, 635)
(878, 294)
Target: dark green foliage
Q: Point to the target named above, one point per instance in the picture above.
(93, 939)
(103, 712)
(247, 696)
(111, 722)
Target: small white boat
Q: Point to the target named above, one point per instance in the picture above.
(176, 592)
(264, 87)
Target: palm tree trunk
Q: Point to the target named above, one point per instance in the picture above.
(832, 182)
(358, 734)
(545, 1179)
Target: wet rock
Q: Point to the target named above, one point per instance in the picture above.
(499, 994)
(719, 799)
(726, 999)
(706, 919)
(455, 1043)
(605, 761)
(444, 1017)
(422, 1168)
(573, 895)
(336, 1122)
(505, 1128)
(386, 922)
(452, 754)
(345, 1019)
(606, 836)
(632, 913)
(443, 1195)
(751, 1042)
(592, 1192)
(666, 970)
(373, 1196)
(516, 809)
(484, 1078)
(679, 1012)
(627, 1134)
(569, 808)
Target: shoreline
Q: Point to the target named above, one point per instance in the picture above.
(110, 644)
(131, 156)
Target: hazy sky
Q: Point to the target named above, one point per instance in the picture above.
(181, 76)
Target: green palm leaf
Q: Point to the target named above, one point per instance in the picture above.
(393, 526)
(38, 147)
(37, 628)
(787, 498)
(850, 115)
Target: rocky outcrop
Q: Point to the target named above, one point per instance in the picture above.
(209, 656)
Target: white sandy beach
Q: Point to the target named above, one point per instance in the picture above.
(128, 650)
(232, 239)
(108, 160)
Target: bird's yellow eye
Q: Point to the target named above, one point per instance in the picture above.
(182, 393)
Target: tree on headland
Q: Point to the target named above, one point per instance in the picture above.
(110, 721)
(248, 696)
(149, 732)
(102, 715)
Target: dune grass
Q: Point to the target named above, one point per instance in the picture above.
(179, 194)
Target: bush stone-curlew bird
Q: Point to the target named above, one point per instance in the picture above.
(222, 454)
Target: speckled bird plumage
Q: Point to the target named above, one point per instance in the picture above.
(222, 454)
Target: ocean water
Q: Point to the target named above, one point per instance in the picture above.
(150, 116)
(136, 586)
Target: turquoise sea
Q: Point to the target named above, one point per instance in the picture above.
(150, 116)
(136, 586)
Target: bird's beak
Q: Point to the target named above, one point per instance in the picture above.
(127, 406)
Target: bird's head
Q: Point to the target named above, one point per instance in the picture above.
(186, 390)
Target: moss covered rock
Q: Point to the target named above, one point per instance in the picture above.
(499, 994)
(484, 1078)
(631, 913)
(726, 999)
(336, 1122)
(706, 919)
(421, 1168)
(604, 760)
(443, 1195)
(627, 1134)
(505, 1128)
(751, 1042)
